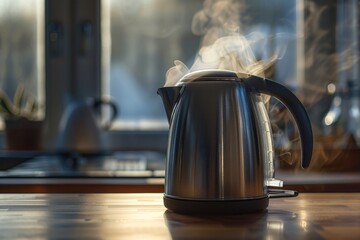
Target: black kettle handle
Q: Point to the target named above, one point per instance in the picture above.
(294, 105)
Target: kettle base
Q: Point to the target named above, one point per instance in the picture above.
(216, 206)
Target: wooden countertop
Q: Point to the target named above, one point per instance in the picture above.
(143, 216)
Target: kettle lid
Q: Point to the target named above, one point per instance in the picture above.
(211, 74)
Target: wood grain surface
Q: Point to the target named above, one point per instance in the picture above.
(143, 216)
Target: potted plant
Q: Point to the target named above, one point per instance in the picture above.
(23, 130)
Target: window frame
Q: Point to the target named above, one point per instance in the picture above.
(72, 76)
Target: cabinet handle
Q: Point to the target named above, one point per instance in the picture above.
(55, 39)
(86, 38)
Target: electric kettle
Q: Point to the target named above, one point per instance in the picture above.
(220, 152)
(80, 130)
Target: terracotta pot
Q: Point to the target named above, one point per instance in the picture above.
(23, 134)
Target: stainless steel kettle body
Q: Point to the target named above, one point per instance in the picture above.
(218, 143)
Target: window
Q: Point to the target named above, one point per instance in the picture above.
(144, 38)
(141, 40)
(22, 48)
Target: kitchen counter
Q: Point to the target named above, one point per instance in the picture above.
(143, 216)
(300, 182)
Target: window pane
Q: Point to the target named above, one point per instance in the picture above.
(146, 37)
(22, 47)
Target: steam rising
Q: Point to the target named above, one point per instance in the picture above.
(224, 46)
(330, 69)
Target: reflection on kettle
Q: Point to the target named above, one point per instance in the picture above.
(80, 130)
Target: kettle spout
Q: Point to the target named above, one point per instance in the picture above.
(169, 96)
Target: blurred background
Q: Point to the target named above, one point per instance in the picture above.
(60, 59)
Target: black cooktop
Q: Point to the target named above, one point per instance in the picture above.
(72, 164)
